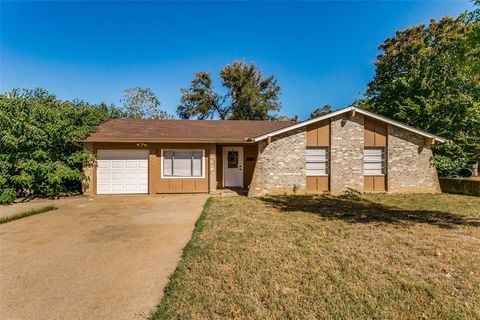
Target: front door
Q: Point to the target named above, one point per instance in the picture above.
(233, 166)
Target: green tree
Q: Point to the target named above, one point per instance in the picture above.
(39, 134)
(426, 77)
(141, 103)
(250, 96)
(200, 100)
(326, 109)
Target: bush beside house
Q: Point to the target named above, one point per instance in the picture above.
(38, 154)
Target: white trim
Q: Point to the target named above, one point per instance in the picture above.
(400, 125)
(225, 163)
(184, 177)
(348, 109)
(301, 124)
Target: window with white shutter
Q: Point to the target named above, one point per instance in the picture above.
(374, 161)
(317, 161)
(182, 163)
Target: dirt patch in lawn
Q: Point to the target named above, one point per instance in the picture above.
(305, 257)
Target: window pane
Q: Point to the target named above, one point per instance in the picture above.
(373, 172)
(316, 166)
(167, 163)
(311, 172)
(232, 159)
(197, 164)
(374, 161)
(317, 152)
(182, 164)
(317, 161)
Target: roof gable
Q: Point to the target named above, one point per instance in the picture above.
(351, 109)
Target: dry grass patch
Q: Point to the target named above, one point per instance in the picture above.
(305, 257)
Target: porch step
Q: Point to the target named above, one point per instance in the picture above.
(233, 192)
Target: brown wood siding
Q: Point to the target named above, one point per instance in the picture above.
(157, 184)
(317, 184)
(375, 133)
(250, 151)
(318, 134)
(375, 136)
(374, 183)
(179, 185)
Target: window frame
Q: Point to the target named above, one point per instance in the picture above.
(327, 162)
(383, 162)
(202, 166)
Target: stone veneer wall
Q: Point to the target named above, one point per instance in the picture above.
(212, 172)
(280, 166)
(346, 153)
(87, 185)
(410, 167)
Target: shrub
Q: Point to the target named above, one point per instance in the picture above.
(39, 150)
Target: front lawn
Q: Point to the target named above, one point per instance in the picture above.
(302, 257)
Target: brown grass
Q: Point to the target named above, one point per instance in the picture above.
(303, 257)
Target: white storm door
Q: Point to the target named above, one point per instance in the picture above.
(233, 166)
(122, 171)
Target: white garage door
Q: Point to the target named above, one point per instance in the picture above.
(122, 171)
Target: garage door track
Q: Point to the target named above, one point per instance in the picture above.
(106, 257)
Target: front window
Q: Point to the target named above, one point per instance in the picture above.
(374, 161)
(182, 163)
(317, 161)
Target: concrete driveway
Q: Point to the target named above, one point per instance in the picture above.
(106, 257)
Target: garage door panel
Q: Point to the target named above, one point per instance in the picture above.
(101, 176)
(116, 164)
(116, 187)
(103, 164)
(130, 164)
(117, 176)
(122, 171)
(131, 176)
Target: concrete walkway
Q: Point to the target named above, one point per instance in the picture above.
(106, 257)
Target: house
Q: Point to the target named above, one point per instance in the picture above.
(349, 149)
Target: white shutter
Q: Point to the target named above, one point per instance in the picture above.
(317, 161)
(374, 161)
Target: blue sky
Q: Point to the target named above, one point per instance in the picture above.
(320, 52)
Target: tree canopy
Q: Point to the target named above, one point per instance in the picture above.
(250, 95)
(39, 134)
(427, 76)
(142, 103)
(326, 109)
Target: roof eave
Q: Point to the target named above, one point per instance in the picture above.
(349, 109)
(154, 140)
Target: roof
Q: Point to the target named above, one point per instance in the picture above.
(350, 109)
(142, 130)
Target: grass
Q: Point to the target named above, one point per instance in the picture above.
(25, 214)
(310, 257)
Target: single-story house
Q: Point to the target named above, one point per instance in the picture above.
(349, 149)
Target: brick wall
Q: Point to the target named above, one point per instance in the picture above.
(280, 166)
(409, 163)
(212, 171)
(346, 153)
(87, 185)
